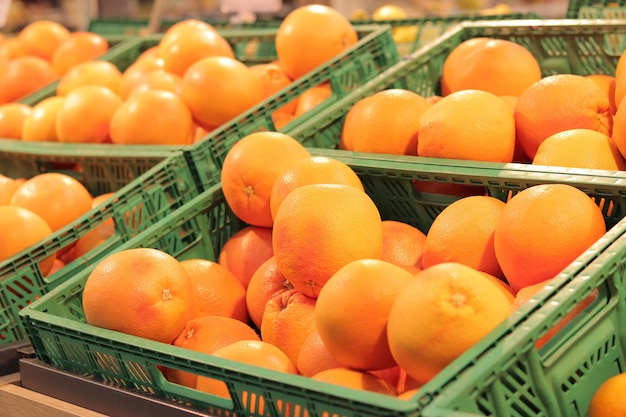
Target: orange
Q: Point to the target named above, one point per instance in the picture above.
(606, 83)
(158, 80)
(498, 66)
(94, 237)
(79, 47)
(86, 114)
(173, 32)
(352, 310)
(312, 244)
(432, 99)
(247, 177)
(393, 375)
(557, 103)
(135, 73)
(206, 334)
(528, 292)
(287, 321)
(301, 43)
(619, 89)
(518, 156)
(385, 122)
(403, 244)
(58, 198)
(216, 291)
(22, 228)
(56, 266)
(266, 282)
(408, 394)
(274, 79)
(580, 148)
(280, 119)
(470, 125)
(355, 379)
(183, 46)
(311, 170)
(448, 188)
(251, 352)
(174, 126)
(510, 101)
(7, 188)
(154, 304)
(443, 311)
(40, 124)
(607, 400)
(463, 232)
(42, 38)
(151, 52)
(542, 229)
(619, 130)
(621, 65)
(200, 134)
(12, 119)
(234, 88)
(507, 290)
(23, 76)
(11, 48)
(101, 73)
(245, 251)
(457, 55)
(406, 383)
(314, 356)
(310, 98)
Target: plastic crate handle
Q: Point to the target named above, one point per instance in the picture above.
(193, 394)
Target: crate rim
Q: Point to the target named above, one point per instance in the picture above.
(523, 26)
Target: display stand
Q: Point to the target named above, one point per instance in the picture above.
(46, 380)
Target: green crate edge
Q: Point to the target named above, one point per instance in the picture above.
(601, 183)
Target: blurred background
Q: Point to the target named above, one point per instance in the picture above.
(76, 14)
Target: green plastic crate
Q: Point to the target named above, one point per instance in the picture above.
(61, 338)
(511, 377)
(429, 28)
(604, 9)
(103, 167)
(146, 200)
(125, 26)
(561, 46)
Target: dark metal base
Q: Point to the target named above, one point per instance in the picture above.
(10, 358)
(116, 402)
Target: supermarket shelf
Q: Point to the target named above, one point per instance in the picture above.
(102, 399)
(20, 402)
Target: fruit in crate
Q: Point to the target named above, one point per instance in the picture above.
(186, 61)
(606, 400)
(41, 52)
(301, 46)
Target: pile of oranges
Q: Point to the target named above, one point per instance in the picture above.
(174, 93)
(35, 208)
(496, 106)
(318, 284)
